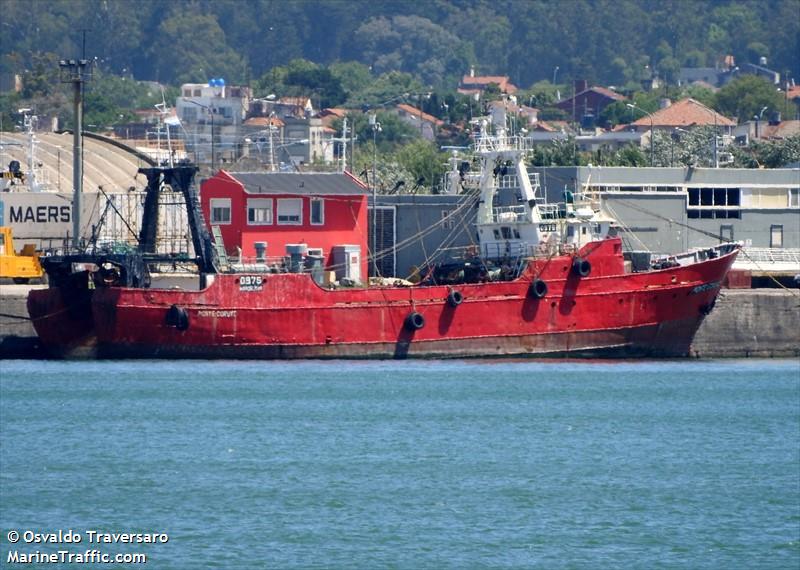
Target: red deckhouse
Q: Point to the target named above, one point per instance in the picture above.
(322, 210)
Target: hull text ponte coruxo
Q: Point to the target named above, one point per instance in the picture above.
(546, 280)
(609, 313)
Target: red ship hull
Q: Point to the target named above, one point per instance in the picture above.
(609, 313)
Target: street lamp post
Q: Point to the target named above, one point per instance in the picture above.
(555, 71)
(652, 130)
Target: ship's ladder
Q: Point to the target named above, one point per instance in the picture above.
(219, 245)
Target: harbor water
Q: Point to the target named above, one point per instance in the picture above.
(462, 464)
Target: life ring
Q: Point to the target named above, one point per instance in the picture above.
(581, 267)
(538, 288)
(178, 317)
(455, 298)
(414, 321)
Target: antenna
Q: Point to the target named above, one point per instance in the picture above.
(163, 112)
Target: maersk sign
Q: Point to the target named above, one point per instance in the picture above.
(39, 214)
(45, 218)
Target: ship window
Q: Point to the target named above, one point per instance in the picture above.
(506, 232)
(694, 196)
(776, 236)
(259, 211)
(220, 210)
(583, 230)
(317, 211)
(290, 211)
(516, 233)
(570, 231)
(496, 233)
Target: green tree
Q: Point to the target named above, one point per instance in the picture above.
(746, 96)
(110, 99)
(562, 152)
(42, 78)
(192, 47)
(768, 154)
(424, 162)
(413, 44)
(394, 86)
(303, 77)
(352, 75)
(629, 155)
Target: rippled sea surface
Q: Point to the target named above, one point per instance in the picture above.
(463, 464)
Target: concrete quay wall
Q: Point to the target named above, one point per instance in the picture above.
(751, 322)
(744, 323)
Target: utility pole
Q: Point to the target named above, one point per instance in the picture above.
(76, 72)
(376, 127)
(653, 133)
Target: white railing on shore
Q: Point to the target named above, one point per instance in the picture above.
(770, 259)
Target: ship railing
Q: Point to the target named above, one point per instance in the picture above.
(550, 211)
(266, 264)
(509, 214)
(496, 143)
(504, 249)
(696, 255)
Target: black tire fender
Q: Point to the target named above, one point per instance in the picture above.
(177, 317)
(414, 321)
(581, 267)
(538, 288)
(455, 298)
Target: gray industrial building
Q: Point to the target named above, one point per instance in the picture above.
(663, 210)
(669, 210)
(414, 230)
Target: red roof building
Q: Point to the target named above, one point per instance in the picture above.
(472, 84)
(322, 210)
(425, 123)
(589, 101)
(684, 113)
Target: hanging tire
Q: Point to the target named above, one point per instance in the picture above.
(178, 317)
(581, 267)
(455, 298)
(538, 289)
(414, 321)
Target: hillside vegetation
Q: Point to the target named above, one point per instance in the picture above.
(611, 42)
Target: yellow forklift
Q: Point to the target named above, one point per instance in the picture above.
(20, 267)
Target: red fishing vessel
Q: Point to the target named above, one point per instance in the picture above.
(546, 280)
